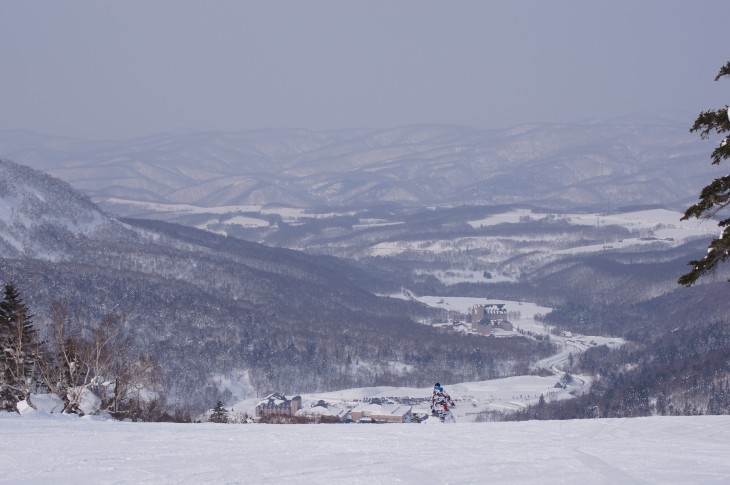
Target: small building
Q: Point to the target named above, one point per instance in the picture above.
(488, 311)
(277, 404)
(323, 411)
(486, 317)
(378, 412)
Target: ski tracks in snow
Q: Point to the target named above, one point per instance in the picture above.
(667, 450)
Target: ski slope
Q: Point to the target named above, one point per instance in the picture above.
(39, 448)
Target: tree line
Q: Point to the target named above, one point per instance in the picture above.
(89, 367)
(682, 373)
(162, 357)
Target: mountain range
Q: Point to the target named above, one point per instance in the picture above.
(601, 164)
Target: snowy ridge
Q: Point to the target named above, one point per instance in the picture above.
(38, 211)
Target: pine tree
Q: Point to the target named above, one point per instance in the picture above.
(219, 414)
(716, 196)
(20, 350)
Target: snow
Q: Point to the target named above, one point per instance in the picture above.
(505, 394)
(382, 409)
(509, 256)
(288, 214)
(463, 304)
(317, 411)
(668, 450)
(512, 217)
(46, 403)
(184, 208)
(664, 223)
(247, 221)
(370, 223)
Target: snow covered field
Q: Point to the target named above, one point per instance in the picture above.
(64, 450)
(662, 222)
(227, 212)
(656, 226)
(472, 398)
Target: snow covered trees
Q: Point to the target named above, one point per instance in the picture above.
(92, 369)
(87, 363)
(219, 414)
(716, 196)
(19, 350)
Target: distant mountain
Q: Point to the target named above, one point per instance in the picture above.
(630, 161)
(218, 313)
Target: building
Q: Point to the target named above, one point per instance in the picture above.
(483, 327)
(489, 311)
(378, 412)
(322, 411)
(277, 404)
(485, 318)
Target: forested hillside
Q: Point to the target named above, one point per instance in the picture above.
(683, 372)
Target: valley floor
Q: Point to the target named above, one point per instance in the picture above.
(64, 449)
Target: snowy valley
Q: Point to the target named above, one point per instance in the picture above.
(343, 306)
(376, 242)
(313, 315)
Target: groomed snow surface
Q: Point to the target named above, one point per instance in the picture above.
(63, 450)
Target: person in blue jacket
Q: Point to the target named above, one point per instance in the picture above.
(440, 401)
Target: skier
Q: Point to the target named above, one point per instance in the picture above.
(440, 402)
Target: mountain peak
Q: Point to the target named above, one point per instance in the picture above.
(40, 215)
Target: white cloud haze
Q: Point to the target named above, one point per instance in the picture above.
(102, 69)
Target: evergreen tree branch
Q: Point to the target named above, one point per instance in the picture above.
(714, 197)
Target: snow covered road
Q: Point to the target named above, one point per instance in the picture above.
(62, 449)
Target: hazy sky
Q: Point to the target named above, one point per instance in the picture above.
(114, 69)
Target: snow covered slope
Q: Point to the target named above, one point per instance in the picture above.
(666, 450)
(40, 216)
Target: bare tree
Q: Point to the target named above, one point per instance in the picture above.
(84, 358)
(136, 385)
